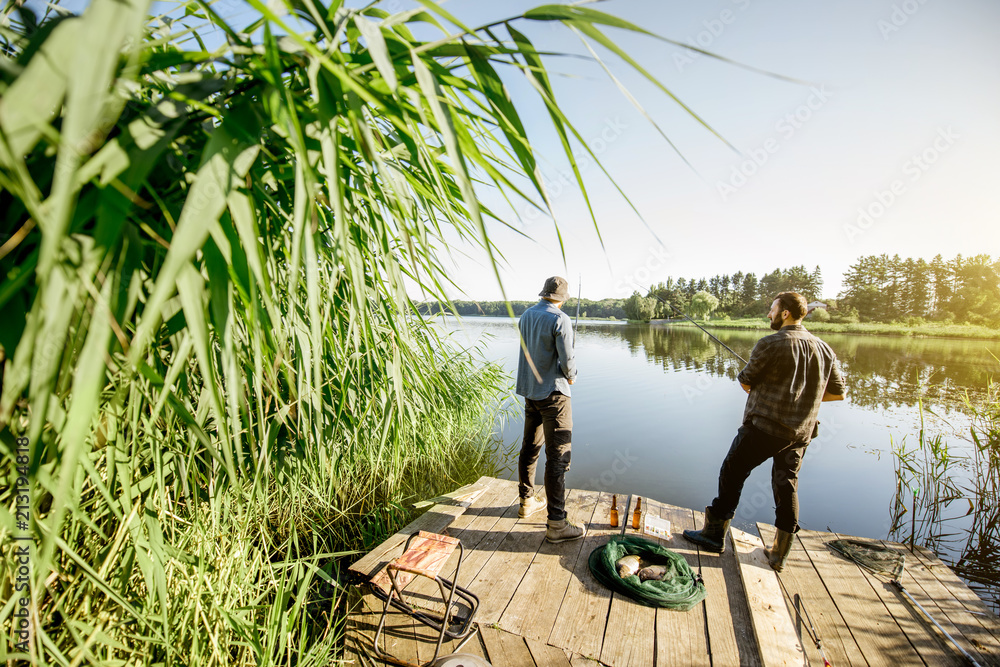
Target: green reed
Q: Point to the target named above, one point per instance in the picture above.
(208, 237)
(950, 502)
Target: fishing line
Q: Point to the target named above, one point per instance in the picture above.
(679, 311)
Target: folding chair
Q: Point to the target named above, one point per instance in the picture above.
(425, 554)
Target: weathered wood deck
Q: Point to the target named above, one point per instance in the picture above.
(541, 606)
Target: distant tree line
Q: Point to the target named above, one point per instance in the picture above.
(887, 289)
(876, 288)
(605, 308)
(737, 295)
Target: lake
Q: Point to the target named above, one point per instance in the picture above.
(655, 409)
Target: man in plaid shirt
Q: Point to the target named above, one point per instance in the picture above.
(789, 374)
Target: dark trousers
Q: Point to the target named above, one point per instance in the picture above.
(548, 421)
(750, 448)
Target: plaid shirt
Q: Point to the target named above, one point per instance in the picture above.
(788, 374)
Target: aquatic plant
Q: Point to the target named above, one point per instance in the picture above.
(215, 380)
(950, 502)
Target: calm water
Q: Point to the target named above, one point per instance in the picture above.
(656, 408)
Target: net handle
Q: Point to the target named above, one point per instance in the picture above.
(895, 581)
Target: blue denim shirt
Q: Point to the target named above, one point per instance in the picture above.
(548, 335)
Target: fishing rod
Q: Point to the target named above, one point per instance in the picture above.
(902, 589)
(877, 564)
(682, 313)
(577, 324)
(799, 603)
(800, 610)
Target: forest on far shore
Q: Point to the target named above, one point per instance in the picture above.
(876, 288)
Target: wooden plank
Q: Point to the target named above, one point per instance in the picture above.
(475, 646)
(434, 520)
(681, 637)
(426, 641)
(500, 577)
(535, 605)
(493, 502)
(464, 494)
(487, 533)
(546, 655)
(578, 660)
(428, 638)
(800, 577)
(730, 637)
(776, 638)
(482, 516)
(739, 607)
(496, 516)
(873, 627)
(471, 529)
(630, 634)
(922, 634)
(506, 649)
(580, 623)
(948, 612)
(958, 589)
(358, 628)
(398, 638)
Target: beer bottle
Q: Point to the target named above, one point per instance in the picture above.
(636, 516)
(614, 511)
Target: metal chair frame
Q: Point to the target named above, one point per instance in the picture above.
(442, 624)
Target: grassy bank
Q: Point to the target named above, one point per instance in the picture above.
(872, 328)
(214, 387)
(167, 561)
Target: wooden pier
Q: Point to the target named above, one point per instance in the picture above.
(541, 606)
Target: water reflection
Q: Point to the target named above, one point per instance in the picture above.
(882, 373)
(655, 409)
(666, 400)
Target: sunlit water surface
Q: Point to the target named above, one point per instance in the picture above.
(655, 409)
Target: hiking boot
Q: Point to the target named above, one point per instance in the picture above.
(778, 553)
(529, 506)
(713, 536)
(562, 531)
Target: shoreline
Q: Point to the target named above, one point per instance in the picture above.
(948, 331)
(930, 330)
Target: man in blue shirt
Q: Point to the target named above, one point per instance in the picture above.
(545, 370)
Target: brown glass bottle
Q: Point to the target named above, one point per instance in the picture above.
(614, 511)
(637, 514)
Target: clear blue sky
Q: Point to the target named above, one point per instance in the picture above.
(904, 96)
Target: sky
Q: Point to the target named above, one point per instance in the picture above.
(886, 143)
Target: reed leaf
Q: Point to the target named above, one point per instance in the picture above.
(210, 234)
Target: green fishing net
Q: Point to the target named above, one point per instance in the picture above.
(680, 589)
(875, 557)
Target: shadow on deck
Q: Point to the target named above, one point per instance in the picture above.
(541, 606)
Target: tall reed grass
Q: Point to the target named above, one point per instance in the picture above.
(949, 501)
(209, 237)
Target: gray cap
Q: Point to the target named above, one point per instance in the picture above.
(556, 288)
